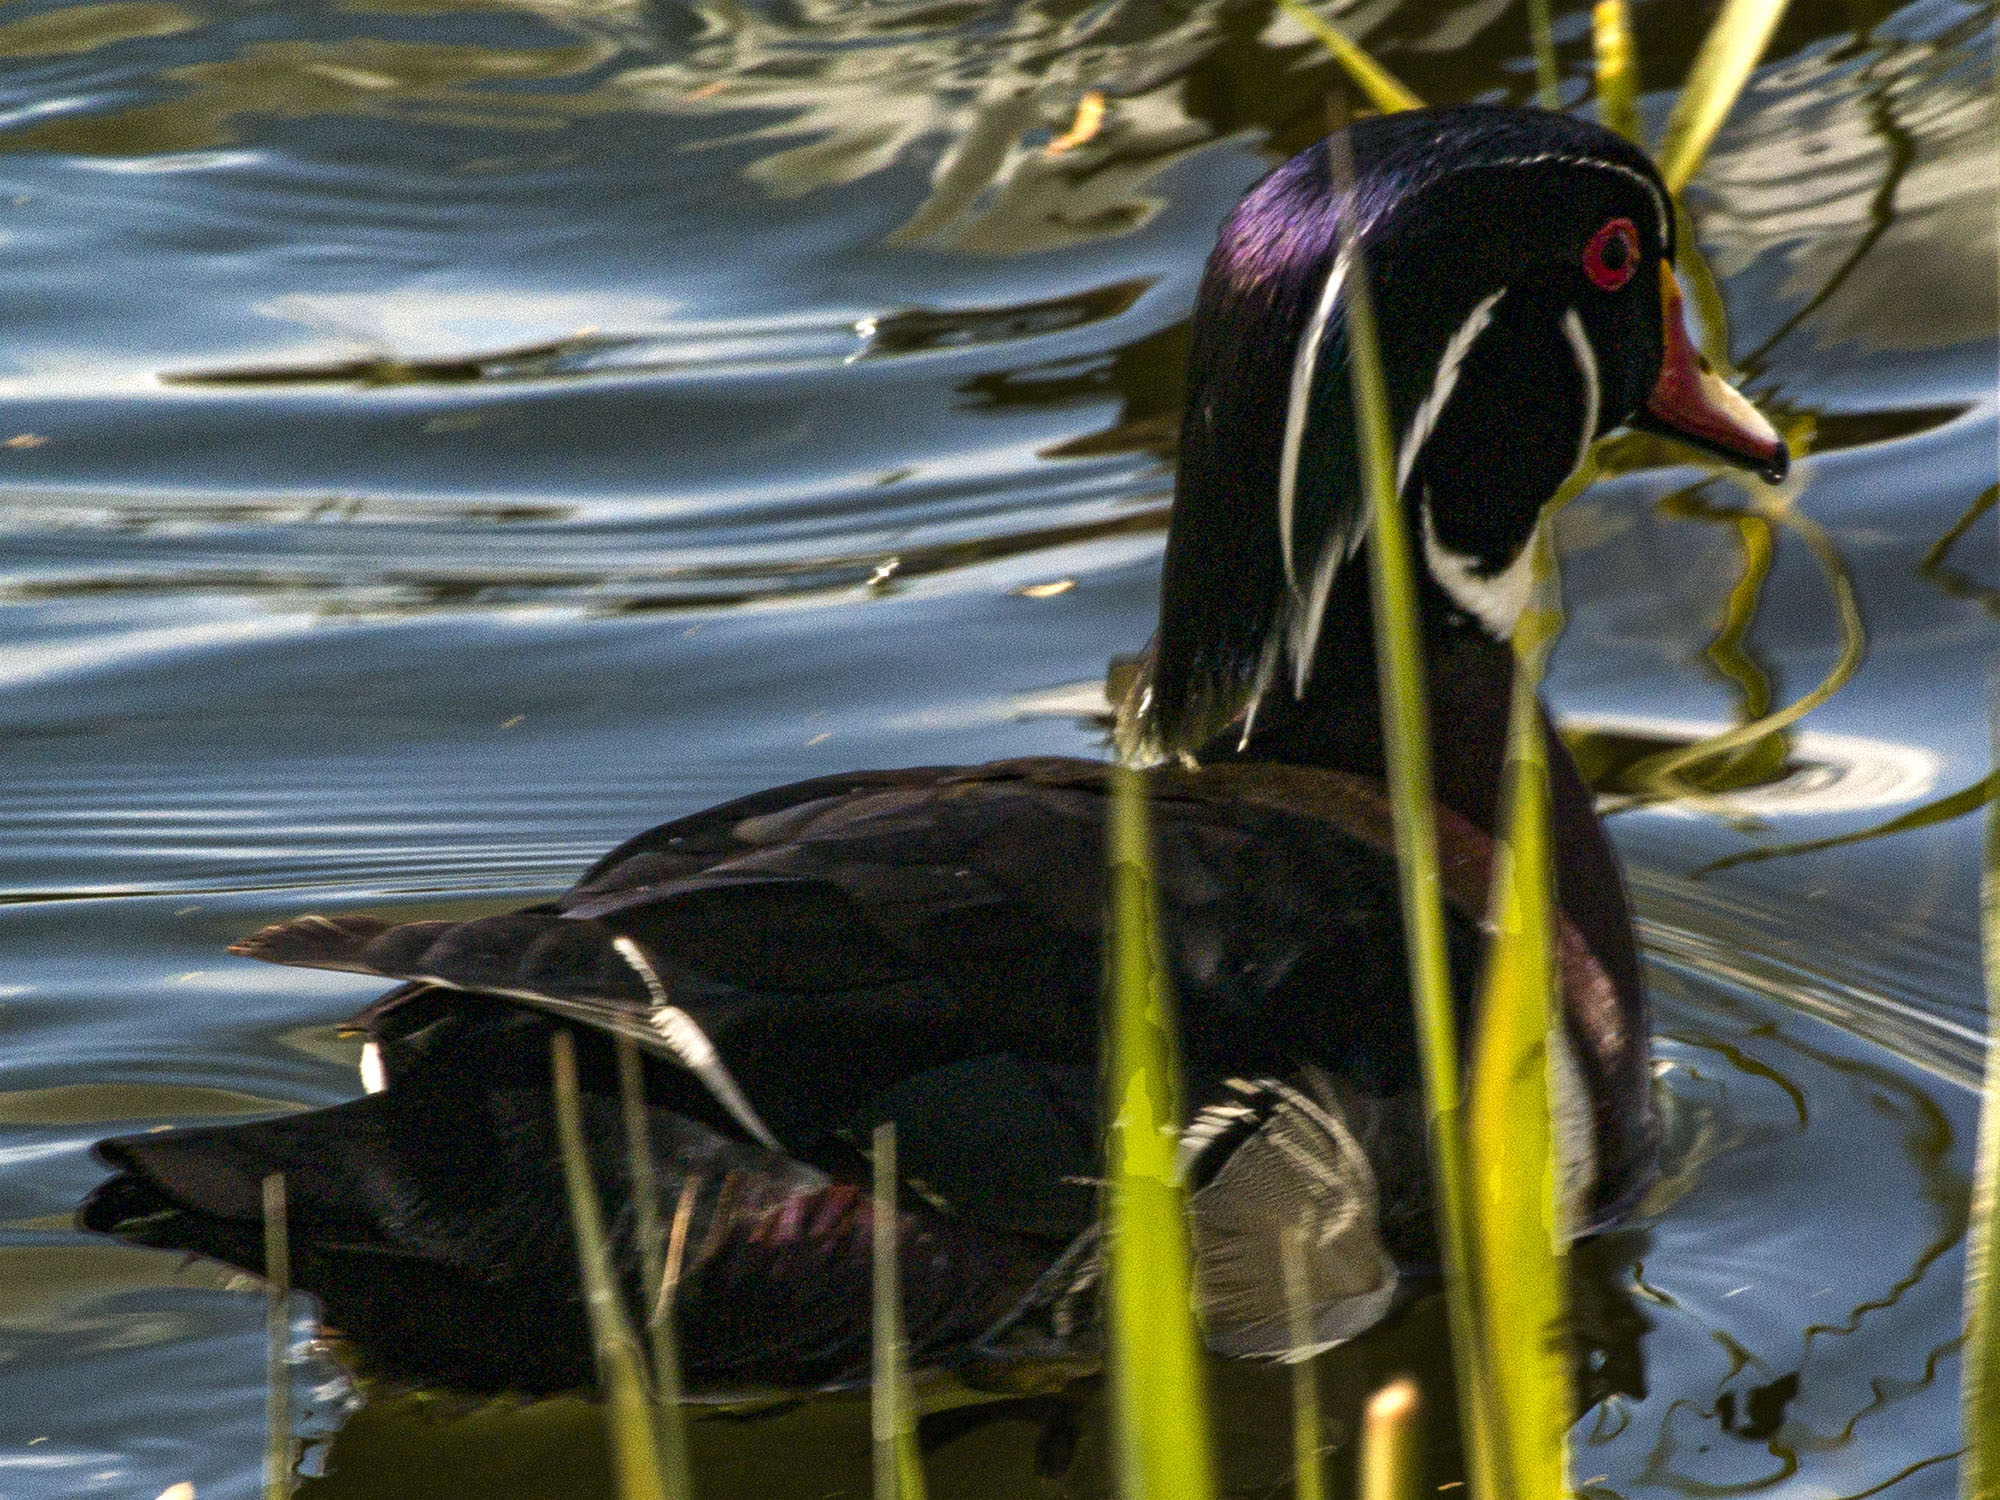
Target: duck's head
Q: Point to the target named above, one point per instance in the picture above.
(1521, 268)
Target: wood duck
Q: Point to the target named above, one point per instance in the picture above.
(922, 946)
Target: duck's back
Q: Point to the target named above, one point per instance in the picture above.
(921, 946)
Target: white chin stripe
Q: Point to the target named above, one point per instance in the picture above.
(1495, 602)
(374, 1076)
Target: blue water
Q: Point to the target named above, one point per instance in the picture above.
(441, 437)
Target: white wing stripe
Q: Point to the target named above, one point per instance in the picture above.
(691, 1046)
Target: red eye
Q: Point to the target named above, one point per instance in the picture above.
(1612, 255)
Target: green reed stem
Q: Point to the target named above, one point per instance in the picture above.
(1406, 754)
(637, 1469)
(1697, 278)
(1721, 68)
(1617, 69)
(655, 1277)
(1389, 1465)
(1548, 69)
(1522, 1237)
(1158, 1398)
(1384, 90)
(278, 1342)
(899, 1472)
(1979, 1468)
(1308, 1477)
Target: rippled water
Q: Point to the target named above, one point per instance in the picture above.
(444, 436)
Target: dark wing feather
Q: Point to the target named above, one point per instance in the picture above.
(835, 940)
(844, 945)
(430, 1221)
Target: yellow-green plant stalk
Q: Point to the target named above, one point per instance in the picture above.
(1979, 1468)
(1548, 71)
(621, 1368)
(899, 1473)
(1939, 810)
(654, 1287)
(278, 1342)
(1721, 68)
(1308, 1480)
(1384, 90)
(1159, 1400)
(1521, 1238)
(1389, 1468)
(1399, 662)
(1617, 69)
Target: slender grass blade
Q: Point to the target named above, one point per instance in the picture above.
(899, 1471)
(1389, 1469)
(1384, 90)
(1704, 293)
(278, 1342)
(1979, 1468)
(1406, 754)
(628, 1406)
(1721, 68)
(1548, 70)
(1617, 69)
(1308, 1479)
(656, 1279)
(1521, 1239)
(1159, 1400)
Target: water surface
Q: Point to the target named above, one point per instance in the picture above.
(439, 438)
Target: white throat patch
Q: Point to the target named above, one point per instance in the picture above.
(1495, 602)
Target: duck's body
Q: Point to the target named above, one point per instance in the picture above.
(923, 946)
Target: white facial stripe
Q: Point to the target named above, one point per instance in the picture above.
(1586, 366)
(1306, 622)
(1267, 669)
(374, 1077)
(1443, 383)
(1661, 216)
(691, 1046)
(1495, 602)
(1304, 365)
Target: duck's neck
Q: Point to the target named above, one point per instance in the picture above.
(1338, 724)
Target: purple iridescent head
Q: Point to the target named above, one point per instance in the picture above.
(1516, 260)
